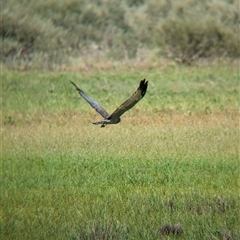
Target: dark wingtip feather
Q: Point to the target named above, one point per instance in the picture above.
(143, 86)
(74, 84)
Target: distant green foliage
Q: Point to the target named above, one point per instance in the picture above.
(49, 32)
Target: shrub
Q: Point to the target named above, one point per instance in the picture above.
(208, 31)
(45, 33)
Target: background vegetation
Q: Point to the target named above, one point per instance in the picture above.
(169, 170)
(46, 34)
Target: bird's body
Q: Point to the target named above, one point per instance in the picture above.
(114, 118)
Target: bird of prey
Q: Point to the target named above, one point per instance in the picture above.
(114, 118)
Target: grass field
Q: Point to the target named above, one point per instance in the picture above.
(169, 170)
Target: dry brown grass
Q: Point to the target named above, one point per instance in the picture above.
(216, 133)
(134, 118)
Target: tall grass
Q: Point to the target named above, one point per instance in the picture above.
(170, 168)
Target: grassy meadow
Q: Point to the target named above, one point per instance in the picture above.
(169, 170)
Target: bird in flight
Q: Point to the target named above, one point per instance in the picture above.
(114, 118)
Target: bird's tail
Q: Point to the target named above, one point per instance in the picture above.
(103, 122)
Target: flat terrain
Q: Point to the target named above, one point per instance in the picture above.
(172, 161)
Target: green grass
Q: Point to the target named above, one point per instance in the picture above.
(174, 158)
(180, 89)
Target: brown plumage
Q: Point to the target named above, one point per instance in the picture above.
(114, 118)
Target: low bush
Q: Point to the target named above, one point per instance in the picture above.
(202, 31)
(45, 34)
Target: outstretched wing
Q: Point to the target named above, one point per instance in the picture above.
(136, 97)
(93, 103)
